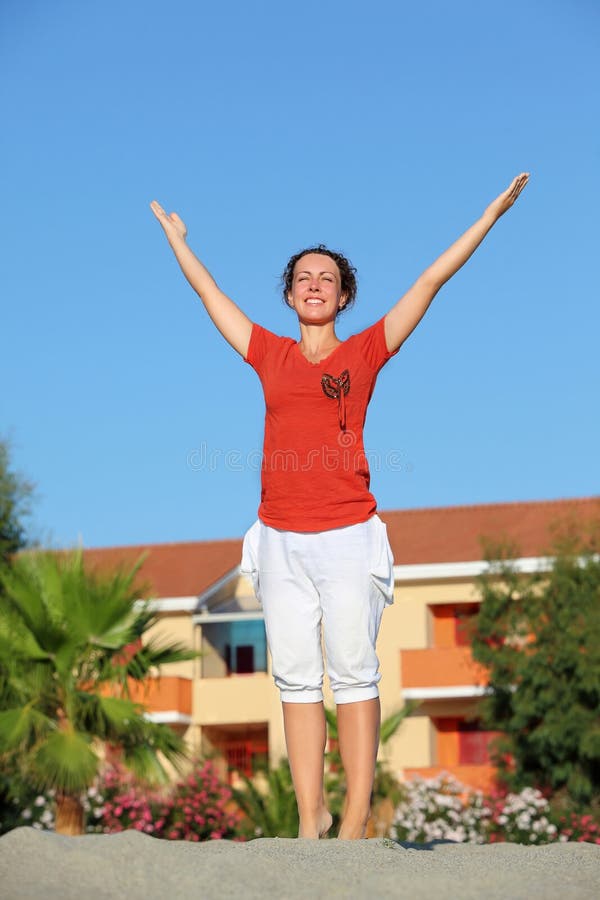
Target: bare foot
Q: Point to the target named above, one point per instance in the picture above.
(317, 829)
(326, 822)
(349, 832)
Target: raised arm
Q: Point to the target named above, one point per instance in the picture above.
(233, 324)
(403, 318)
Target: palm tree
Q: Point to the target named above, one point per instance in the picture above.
(271, 810)
(70, 649)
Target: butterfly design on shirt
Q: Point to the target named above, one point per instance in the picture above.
(336, 389)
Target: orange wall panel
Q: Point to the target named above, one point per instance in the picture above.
(440, 667)
(166, 693)
(444, 624)
(447, 741)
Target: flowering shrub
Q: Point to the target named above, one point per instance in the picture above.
(576, 827)
(521, 818)
(195, 809)
(39, 812)
(443, 809)
(120, 804)
(434, 809)
(200, 808)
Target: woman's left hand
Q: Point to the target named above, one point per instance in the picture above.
(499, 206)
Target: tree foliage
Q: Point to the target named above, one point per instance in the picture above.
(539, 636)
(15, 493)
(70, 648)
(269, 805)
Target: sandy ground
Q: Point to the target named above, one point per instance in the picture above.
(35, 864)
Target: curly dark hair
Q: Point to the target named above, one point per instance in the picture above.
(347, 274)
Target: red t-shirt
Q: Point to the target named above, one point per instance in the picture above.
(315, 474)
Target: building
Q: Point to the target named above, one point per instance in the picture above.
(226, 703)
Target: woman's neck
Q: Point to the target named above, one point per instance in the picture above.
(318, 340)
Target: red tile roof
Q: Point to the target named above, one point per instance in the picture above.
(452, 533)
(173, 570)
(430, 535)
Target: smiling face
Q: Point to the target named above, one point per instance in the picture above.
(316, 292)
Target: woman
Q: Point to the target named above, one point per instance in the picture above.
(318, 553)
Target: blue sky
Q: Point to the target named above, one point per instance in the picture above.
(381, 129)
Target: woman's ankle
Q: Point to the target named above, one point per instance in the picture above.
(315, 826)
(353, 828)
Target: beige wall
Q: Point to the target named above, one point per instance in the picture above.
(177, 628)
(411, 746)
(212, 664)
(241, 698)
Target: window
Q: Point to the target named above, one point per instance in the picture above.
(450, 624)
(233, 648)
(244, 659)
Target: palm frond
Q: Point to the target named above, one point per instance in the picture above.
(25, 683)
(390, 726)
(273, 811)
(155, 654)
(145, 765)
(66, 762)
(142, 756)
(30, 588)
(112, 719)
(255, 806)
(22, 728)
(17, 641)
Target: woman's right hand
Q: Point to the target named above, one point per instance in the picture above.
(233, 324)
(173, 226)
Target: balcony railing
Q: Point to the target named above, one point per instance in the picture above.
(443, 667)
(169, 693)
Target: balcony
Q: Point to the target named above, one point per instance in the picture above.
(168, 699)
(235, 699)
(439, 672)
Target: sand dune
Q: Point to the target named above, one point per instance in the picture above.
(35, 864)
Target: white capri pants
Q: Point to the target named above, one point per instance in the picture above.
(342, 578)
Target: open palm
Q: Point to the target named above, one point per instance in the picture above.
(173, 226)
(506, 199)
